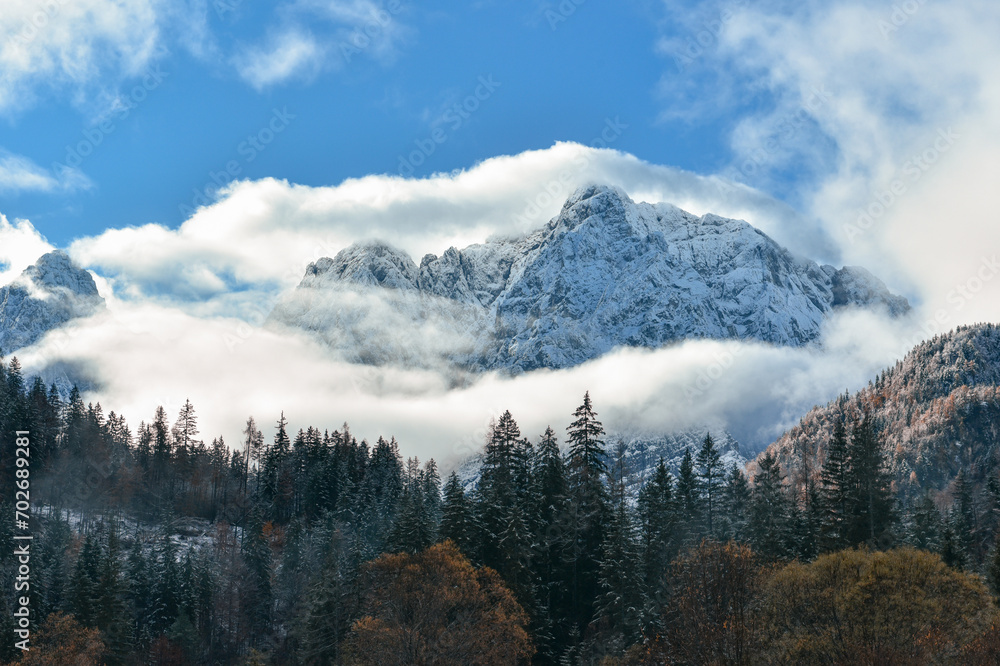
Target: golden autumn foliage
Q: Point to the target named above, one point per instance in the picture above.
(713, 613)
(61, 641)
(901, 606)
(436, 608)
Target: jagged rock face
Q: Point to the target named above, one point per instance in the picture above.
(606, 272)
(45, 296)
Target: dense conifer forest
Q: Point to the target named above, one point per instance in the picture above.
(153, 546)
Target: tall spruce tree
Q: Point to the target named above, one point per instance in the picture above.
(588, 508)
(923, 525)
(549, 561)
(458, 518)
(658, 518)
(414, 528)
(736, 504)
(770, 512)
(689, 500)
(872, 514)
(620, 604)
(835, 491)
(710, 478)
(499, 494)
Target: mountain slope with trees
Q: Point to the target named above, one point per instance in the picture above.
(315, 547)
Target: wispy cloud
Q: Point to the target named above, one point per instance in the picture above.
(20, 245)
(20, 174)
(318, 35)
(260, 235)
(290, 54)
(879, 121)
(75, 48)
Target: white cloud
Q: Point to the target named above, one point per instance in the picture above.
(892, 112)
(20, 245)
(144, 355)
(290, 54)
(317, 35)
(80, 46)
(20, 174)
(260, 235)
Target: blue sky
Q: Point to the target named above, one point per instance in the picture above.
(562, 70)
(850, 131)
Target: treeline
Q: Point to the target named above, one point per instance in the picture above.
(153, 547)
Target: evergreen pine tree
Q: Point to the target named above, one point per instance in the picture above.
(872, 513)
(497, 494)
(588, 508)
(710, 481)
(963, 518)
(835, 491)
(186, 427)
(658, 518)
(110, 609)
(83, 586)
(810, 522)
(458, 518)
(413, 529)
(993, 573)
(688, 500)
(619, 608)
(326, 615)
(924, 527)
(259, 594)
(770, 511)
(549, 562)
(736, 503)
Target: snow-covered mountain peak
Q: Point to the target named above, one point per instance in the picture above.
(45, 296)
(370, 263)
(55, 271)
(606, 272)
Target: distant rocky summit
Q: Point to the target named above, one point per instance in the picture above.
(45, 296)
(606, 272)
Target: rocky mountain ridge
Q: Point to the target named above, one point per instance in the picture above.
(606, 272)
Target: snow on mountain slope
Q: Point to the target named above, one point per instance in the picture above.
(606, 272)
(45, 296)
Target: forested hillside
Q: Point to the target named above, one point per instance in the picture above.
(153, 546)
(938, 411)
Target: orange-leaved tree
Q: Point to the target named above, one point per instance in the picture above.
(434, 607)
(713, 613)
(61, 640)
(901, 606)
